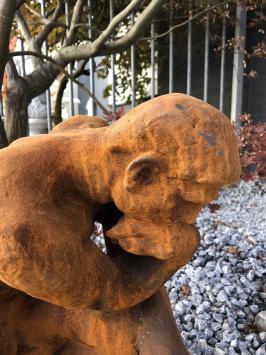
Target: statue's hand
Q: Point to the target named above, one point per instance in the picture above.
(160, 250)
(176, 241)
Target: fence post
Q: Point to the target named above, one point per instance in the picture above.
(47, 93)
(152, 60)
(238, 67)
(171, 50)
(91, 61)
(69, 66)
(111, 9)
(189, 49)
(221, 101)
(206, 58)
(133, 67)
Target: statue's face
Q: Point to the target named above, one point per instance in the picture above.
(159, 218)
(185, 163)
(158, 204)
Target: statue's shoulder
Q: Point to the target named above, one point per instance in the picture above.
(79, 122)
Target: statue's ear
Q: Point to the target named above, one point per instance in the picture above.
(141, 171)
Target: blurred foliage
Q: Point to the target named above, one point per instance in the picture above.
(252, 147)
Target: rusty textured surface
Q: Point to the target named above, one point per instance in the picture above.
(145, 178)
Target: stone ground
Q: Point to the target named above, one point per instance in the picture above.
(216, 297)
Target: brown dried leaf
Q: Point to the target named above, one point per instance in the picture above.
(232, 250)
(185, 289)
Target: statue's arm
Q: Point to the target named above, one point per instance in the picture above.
(48, 262)
(144, 275)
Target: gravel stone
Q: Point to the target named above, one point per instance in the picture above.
(261, 350)
(254, 308)
(225, 276)
(218, 351)
(260, 321)
(262, 336)
(222, 297)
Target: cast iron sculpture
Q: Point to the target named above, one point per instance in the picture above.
(145, 178)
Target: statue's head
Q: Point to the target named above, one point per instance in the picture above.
(168, 158)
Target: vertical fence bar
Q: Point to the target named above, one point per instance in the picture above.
(221, 102)
(1, 108)
(91, 61)
(189, 50)
(133, 69)
(111, 6)
(171, 51)
(152, 60)
(69, 66)
(47, 93)
(23, 67)
(238, 67)
(206, 58)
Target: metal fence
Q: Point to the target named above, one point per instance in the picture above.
(237, 79)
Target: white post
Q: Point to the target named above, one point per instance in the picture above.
(133, 67)
(189, 50)
(221, 103)
(92, 110)
(238, 66)
(171, 51)
(206, 59)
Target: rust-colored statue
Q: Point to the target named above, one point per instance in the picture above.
(145, 178)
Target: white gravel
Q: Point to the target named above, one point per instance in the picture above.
(216, 297)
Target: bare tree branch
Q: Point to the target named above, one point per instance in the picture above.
(43, 21)
(140, 25)
(19, 3)
(11, 70)
(133, 6)
(35, 13)
(99, 47)
(57, 117)
(60, 69)
(77, 12)
(50, 24)
(23, 27)
(46, 72)
(186, 22)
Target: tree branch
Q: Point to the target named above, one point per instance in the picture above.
(29, 39)
(185, 22)
(35, 13)
(77, 12)
(133, 6)
(60, 91)
(60, 69)
(22, 25)
(11, 71)
(19, 3)
(44, 75)
(140, 25)
(98, 47)
(50, 24)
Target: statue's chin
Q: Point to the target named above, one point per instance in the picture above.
(162, 242)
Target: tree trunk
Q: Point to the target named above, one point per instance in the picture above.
(3, 137)
(16, 114)
(7, 11)
(58, 101)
